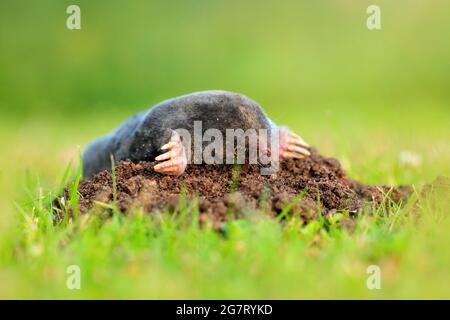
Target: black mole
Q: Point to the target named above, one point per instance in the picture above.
(151, 134)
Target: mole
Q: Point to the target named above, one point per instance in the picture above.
(151, 135)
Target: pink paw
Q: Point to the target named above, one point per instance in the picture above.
(174, 161)
(292, 145)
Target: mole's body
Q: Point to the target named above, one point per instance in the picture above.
(144, 136)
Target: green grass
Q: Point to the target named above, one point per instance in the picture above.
(364, 97)
(168, 256)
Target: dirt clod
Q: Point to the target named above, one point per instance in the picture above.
(223, 192)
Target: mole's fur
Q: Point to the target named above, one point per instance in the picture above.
(140, 137)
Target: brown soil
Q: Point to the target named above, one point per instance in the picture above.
(224, 191)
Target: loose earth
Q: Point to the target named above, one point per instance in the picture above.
(225, 191)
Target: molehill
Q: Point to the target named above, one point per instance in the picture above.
(225, 191)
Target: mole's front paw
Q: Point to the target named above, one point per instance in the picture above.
(174, 161)
(292, 145)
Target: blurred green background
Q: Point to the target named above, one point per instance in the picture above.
(313, 66)
(365, 97)
(306, 55)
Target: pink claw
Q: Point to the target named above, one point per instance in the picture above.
(292, 145)
(175, 159)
